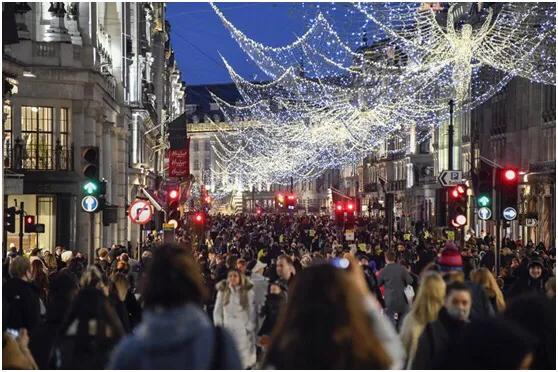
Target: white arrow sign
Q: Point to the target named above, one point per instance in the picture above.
(450, 178)
(89, 204)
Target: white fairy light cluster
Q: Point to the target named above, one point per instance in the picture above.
(329, 103)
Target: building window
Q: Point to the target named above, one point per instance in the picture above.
(207, 164)
(196, 164)
(7, 139)
(207, 146)
(196, 145)
(37, 134)
(65, 136)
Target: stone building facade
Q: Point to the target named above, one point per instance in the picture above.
(89, 75)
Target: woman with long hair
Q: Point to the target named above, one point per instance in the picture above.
(119, 286)
(425, 308)
(235, 310)
(89, 332)
(327, 323)
(40, 279)
(486, 280)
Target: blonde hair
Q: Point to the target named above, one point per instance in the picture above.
(120, 285)
(430, 298)
(485, 279)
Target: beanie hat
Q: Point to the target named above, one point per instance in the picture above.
(66, 256)
(450, 258)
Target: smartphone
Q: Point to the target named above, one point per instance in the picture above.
(13, 332)
(340, 263)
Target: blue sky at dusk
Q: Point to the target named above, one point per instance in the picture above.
(198, 36)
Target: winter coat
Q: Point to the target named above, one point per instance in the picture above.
(235, 311)
(395, 278)
(270, 312)
(260, 283)
(178, 338)
(410, 333)
(23, 307)
(526, 284)
(436, 340)
(481, 306)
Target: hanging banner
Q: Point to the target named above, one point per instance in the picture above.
(179, 164)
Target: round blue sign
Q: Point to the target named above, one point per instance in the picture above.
(509, 213)
(484, 213)
(89, 204)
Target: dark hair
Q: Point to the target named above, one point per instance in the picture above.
(457, 286)
(325, 326)
(173, 278)
(63, 286)
(92, 304)
(287, 259)
(390, 255)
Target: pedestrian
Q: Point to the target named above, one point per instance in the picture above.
(436, 339)
(119, 286)
(425, 309)
(285, 269)
(533, 281)
(89, 332)
(275, 299)
(40, 280)
(261, 284)
(235, 311)
(63, 288)
(536, 314)
(21, 297)
(450, 263)
(175, 332)
(92, 277)
(486, 280)
(394, 277)
(327, 324)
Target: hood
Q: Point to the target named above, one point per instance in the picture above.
(165, 328)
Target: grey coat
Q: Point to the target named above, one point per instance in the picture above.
(395, 278)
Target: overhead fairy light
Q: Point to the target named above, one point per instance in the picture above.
(331, 101)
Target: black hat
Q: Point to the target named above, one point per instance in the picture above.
(536, 261)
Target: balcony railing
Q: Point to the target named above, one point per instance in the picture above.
(19, 156)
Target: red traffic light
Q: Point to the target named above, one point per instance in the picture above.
(350, 206)
(199, 218)
(30, 220)
(510, 175)
(258, 211)
(291, 197)
(455, 193)
(173, 194)
(339, 207)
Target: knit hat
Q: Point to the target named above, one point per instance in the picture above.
(536, 261)
(450, 259)
(67, 256)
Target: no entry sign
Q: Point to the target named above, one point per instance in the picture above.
(140, 212)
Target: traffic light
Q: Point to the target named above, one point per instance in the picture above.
(509, 182)
(173, 203)
(458, 206)
(350, 208)
(280, 200)
(9, 219)
(29, 224)
(198, 219)
(339, 213)
(291, 201)
(90, 162)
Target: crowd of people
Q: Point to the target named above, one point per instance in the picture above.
(284, 292)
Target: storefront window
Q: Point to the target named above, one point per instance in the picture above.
(65, 137)
(37, 134)
(45, 215)
(7, 139)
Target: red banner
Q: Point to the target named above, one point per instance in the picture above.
(179, 163)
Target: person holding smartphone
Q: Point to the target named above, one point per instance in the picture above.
(15, 351)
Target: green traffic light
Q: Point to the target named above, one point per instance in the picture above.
(90, 187)
(483, 201)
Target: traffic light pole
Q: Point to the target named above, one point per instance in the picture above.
(21, 223)
(91, 252)
(450, 137)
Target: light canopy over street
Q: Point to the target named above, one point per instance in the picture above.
(279, 185)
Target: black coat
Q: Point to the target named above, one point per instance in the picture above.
(270, 311)
(23, 309)
(95, 356)
(436, 340)
(481, 307)
(527, 285)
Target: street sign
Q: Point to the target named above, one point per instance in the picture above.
(89, 204)
(531, 222)
(449, 178)
(484, 213)
(509, 214)
(140, 211)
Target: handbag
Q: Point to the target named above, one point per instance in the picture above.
(409, 293)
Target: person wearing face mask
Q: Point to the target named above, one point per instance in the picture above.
(21, 297)
(438, 335)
